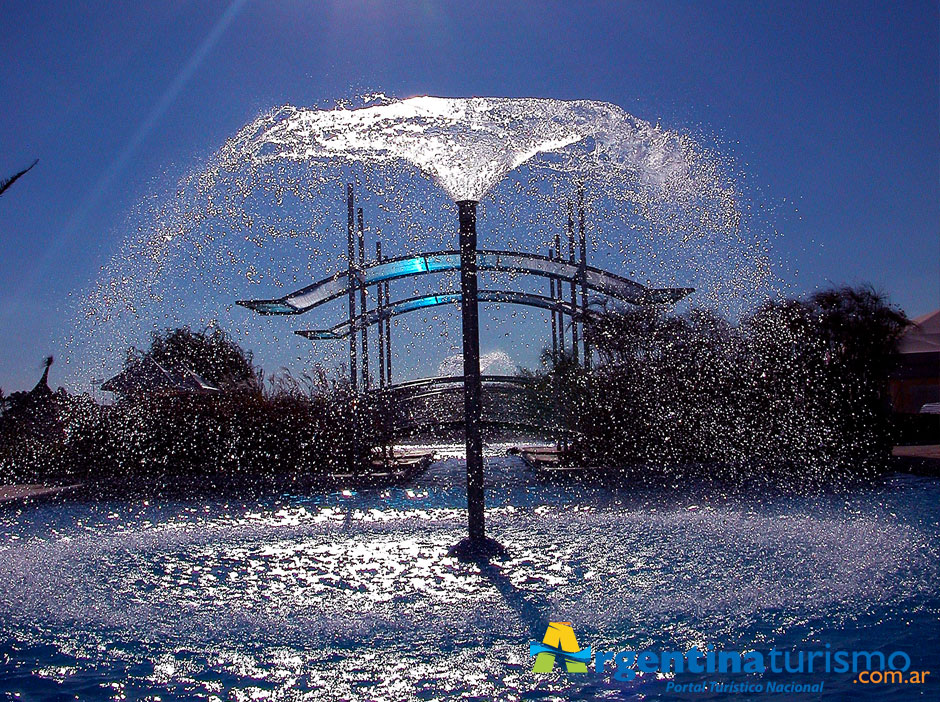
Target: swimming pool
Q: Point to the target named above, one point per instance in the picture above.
(351, 595)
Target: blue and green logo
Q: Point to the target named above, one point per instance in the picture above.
(559, 641)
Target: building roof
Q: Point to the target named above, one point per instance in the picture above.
(148, 375)
(42, 389)
(923, 336)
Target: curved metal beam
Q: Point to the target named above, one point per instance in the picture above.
(430, 415)
(458, 380)
(428, 389)
(435, 387)
(441, 261)
(412, 304)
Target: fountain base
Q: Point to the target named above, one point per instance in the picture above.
(471, 550)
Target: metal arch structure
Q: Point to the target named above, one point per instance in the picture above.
(441, 385)
(468, 260)
(339, 285)
(439, 380)
(435, 404)
(413, 304)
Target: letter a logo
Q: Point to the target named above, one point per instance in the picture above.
(559, 641)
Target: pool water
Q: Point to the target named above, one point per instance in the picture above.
(352, 596)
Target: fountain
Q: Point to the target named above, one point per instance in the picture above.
(359, 593)
(467, 146)
(437, 135)
(260, 210)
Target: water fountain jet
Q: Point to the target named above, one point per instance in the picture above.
(466, 146)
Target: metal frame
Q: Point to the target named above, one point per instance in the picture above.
(413, 304)
(337, 285)
(419, 392)
(468, 261)
(489, 380)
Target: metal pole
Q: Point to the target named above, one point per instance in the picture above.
(388, 338)
(574, 286)
(472, 388)
(582, 275)
(351, 273)
(381, 310)
(551, 294)
(561, 316)
(551, 288)
(381, 300)
(362, 297)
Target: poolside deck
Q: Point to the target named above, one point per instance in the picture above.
(922, 460)
(15, 493)
(546, 461)
(400, 465)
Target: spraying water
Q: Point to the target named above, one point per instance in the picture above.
(469, 145)
(265, 214)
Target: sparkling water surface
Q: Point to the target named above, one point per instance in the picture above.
(352, 596)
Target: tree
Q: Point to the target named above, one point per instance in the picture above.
(796, 388)
(859, 330)
(211, 354)
(7, 182)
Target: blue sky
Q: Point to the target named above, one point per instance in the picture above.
(830, 109)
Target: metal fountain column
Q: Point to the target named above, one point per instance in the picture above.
(472, 388)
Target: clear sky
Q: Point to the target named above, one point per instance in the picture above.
(830, 108)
